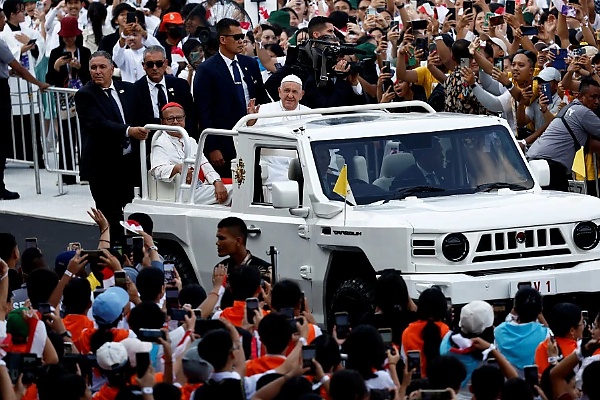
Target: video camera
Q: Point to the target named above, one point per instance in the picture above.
(322, 55)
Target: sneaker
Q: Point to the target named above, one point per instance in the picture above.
(8, 195)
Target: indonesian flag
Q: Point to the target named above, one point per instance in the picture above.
(132, 226)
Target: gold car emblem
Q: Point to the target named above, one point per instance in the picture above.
(240, 173)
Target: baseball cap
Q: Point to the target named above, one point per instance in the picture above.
(108, 306)
(194, 367)
(111, 356)
(62, 261)
(16, 324)
(170, 18)
(549, 74)
(476, 317)
(133, 346)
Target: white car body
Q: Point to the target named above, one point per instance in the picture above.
(321, 246)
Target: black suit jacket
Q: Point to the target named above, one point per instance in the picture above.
(60, 78)
(335, 94)
(216, 103)
(178, 90)
(103, 132)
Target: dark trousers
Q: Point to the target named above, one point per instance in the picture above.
(23, 139)
(112, 193)
(4, 133)
(559, 177)
(68, 142)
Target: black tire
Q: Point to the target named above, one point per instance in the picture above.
(354, 296)
(173, 253)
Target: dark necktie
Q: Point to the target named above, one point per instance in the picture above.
(162, 99)
(113, 103)
(115, 107)
(431, 179)
(237, 81)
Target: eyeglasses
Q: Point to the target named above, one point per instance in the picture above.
(178, 118)
(363, 8)
(151, 64)
(237, 36)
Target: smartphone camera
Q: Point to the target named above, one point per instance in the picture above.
(342, 325)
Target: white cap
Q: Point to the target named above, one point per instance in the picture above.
(549, 74)
(291, 78)
(111, 356)
(476, 317)
(133, 346)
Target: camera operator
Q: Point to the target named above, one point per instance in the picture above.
(342, 87)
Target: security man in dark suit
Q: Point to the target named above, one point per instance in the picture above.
(156, 89)
(110, 144)
(223, 87)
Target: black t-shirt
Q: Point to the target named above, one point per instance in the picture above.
(230, 389)
(263, 267)
(396, 322)
(15, 280)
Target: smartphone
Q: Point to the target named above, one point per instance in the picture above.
(432, 47)
(68, 348)
(131, 18)
(499, 63)
(119, 250)
(435, 395)
(142, 361)
(151, 335)
(573, 1)
(510, 7)
(412, 61)
(308, 354)
(98, 292)
(178, 314)
(531, 376)
(486, 20)
(67, 54)
(93, 256)
(171, 299)
(342, 325)
(73, 246)
(203, 326)
(496, 20)
(559, 58)
(169, 270)
(451, 16)
(386, 68)
(394, 25)
(386, 336)
(251, 305)
(545, 89)
(371, 11)
(467, 7)
(529, 30)
(568, 11)
(421, 44)
(121, 279)
(44, 308)
(31, 242)
(32, 41)
(584, 315)
(579, 52)
(39, 5)
(414, 362)
(465, 62)
(30, 364)
(137, 245)
(13, 365)
(303, 300)
(418, 24)
(288, 312)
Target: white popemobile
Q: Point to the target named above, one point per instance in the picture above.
(445, 199)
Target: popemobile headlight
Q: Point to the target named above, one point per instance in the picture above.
(586, 235)
(455, 247)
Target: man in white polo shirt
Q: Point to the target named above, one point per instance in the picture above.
(290, 94)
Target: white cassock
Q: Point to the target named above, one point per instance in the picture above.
(277, 106)
(167, 151)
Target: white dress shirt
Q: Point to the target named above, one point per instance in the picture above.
(154, 94)
(129, 61)
(115, 96)
(228, 62)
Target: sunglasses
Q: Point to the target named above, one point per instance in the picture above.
(237, 36)
(151, 64)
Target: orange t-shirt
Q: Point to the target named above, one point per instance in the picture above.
(235, 313)
(312, 334)
(188, 389)
(106, 393)
(566, 346)
(263, 364)
(83, 341)
(412, 340)
(75, 323)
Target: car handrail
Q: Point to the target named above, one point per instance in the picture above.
(337, 110)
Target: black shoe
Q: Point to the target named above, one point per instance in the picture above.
(8, 195)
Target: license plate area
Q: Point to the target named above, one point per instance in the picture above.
(544, 286)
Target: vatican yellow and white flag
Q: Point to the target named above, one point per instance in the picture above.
(342, 186)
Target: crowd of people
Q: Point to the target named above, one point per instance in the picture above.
(118, 323)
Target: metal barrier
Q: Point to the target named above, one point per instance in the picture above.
(62, 139)
(23, 122)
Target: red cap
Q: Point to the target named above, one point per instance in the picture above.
(171, 104)
(170, 18)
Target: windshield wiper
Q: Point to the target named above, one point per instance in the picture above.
(403, 193)
(486, 187)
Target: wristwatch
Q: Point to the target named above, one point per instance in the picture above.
(153, 248)
(147, 390)
(66, 334)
